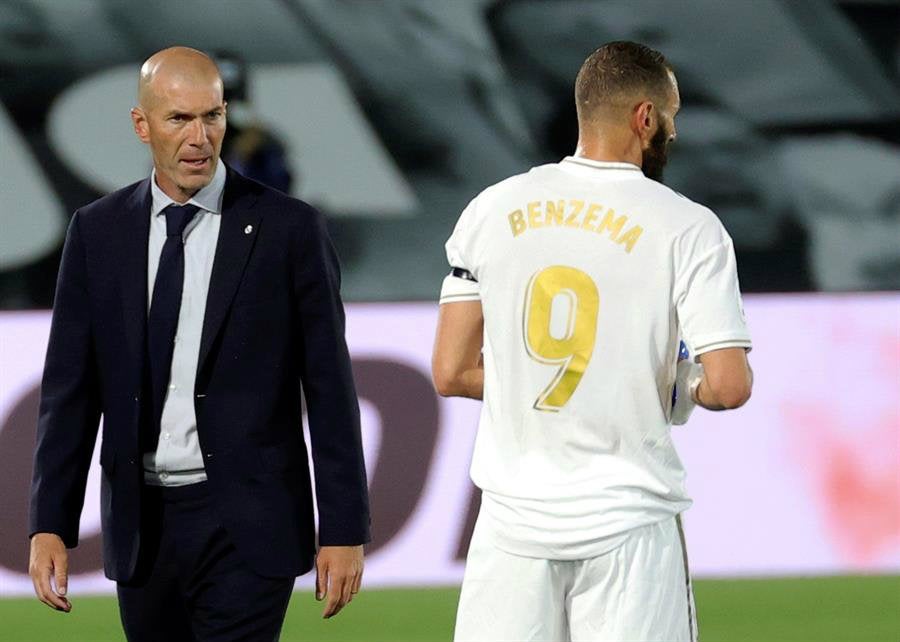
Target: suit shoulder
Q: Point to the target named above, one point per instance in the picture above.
(278, 203)
(114, 202)
(288, 205)
(293, 219)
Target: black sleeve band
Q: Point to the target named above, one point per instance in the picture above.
(463, 274)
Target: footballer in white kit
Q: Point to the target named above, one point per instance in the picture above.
(586, 275)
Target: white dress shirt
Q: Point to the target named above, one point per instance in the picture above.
(178, 460)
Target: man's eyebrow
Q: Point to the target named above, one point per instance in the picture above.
(178, 112)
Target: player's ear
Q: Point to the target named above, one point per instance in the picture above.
(642, 121)
(141, 126)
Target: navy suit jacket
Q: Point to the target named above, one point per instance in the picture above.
(274, 325)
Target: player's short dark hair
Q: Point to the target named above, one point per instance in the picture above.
(618, 70)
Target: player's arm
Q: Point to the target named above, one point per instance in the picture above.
(724, 376)
(710, 313)
(457, 368)
(727, 380)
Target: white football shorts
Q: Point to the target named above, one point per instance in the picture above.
(637, 592)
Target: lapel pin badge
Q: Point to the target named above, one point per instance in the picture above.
(248, 229)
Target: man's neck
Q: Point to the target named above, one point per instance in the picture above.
(609, 150)
(171, 190)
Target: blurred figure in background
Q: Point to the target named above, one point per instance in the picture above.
(257, 154)
(250, 147)
(191, 309)
(569, 289)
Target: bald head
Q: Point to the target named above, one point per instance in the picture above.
(181, 116)
(172, 69)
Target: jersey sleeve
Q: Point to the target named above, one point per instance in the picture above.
(707, 294)
(461, 284)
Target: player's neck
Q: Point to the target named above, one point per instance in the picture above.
(610, 151)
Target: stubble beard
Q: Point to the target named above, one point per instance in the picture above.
(656, 155)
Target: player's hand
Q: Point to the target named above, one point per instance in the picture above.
(687, 374)
(339, 572)
(48, 566)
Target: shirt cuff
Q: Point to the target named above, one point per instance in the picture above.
(456, 289)
(708, 343)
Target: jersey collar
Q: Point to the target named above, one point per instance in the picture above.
(593, 164)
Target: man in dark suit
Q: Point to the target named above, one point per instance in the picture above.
(191, 310)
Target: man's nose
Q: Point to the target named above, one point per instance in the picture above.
(197, 133)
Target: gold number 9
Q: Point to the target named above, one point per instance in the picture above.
(572, 351)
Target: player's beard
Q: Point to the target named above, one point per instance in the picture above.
(656, 155)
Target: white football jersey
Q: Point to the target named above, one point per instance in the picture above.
(588, 275)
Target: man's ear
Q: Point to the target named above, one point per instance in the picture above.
(141, 126)
(642, 122)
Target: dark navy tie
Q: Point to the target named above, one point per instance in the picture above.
(164, 309)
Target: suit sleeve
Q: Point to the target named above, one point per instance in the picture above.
(327, 379)
(69, 412)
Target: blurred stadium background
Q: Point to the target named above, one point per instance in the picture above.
(389, 116)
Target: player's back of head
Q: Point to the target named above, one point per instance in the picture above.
(615, 75)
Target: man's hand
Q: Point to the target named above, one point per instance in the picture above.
(48, 566)
(339, 572)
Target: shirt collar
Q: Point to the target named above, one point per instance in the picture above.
(209, 198)
(594, 164)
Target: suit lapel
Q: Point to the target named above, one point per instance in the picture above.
(134, 240)
(237, 234)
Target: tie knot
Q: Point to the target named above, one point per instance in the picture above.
(178, 217)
